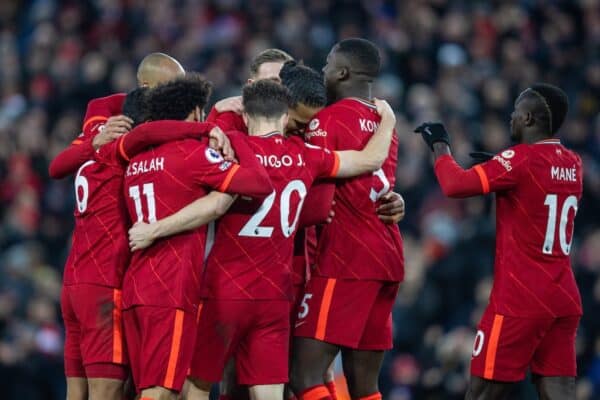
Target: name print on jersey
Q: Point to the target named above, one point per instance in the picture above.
(144, 166)
(563, 174)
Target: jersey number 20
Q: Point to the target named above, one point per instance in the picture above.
(253, 228)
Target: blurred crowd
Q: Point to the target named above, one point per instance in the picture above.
(463, 62)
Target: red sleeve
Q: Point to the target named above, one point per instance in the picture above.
(500, 173)
(321, 162)
(99, 110)
(227, 121)
(159, 132)
(317, 204)
(250, 178)
(70, 159)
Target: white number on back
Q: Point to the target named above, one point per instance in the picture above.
(81, 182)
(552, 203)
(253, 228)
(374, 195)
(148, 191)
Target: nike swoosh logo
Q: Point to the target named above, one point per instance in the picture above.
(299, 324)
(427, 131)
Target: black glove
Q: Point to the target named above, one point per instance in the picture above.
(481, 156)
(433, 132)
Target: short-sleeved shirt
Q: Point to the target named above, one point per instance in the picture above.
(159, 182)
(357, 244)
(252, 253)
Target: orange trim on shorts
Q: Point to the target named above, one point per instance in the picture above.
(374, 396)
(485, 183)
(122, 149)
(324, 310)
(492, 347)
(117, 357)
(92, 119)
(315, 393)
(336, 164)
(174, 354)
(225, 185)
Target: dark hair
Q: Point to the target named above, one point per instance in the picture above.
(135, 105)
(304, 84)
(266, 99)
(362, 54)
(555, 103)
(266, 56)
(178, 98)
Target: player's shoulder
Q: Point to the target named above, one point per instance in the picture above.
(113, 99)
(519, 151)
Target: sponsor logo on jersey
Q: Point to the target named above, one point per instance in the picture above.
(317, 133)
(213, 156)
(367, 125)
(508, 154)
(314, 124)
(505, 163)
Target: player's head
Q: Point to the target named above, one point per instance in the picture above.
(181, 99)
(157, 68)
(267, 64)
(265, 104)
(307, 94)
(135, 105)
(351, 62)
(539, 110)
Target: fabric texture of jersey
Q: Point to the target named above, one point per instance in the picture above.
(158, 183)
(357, 244)
(252, 253)
(100, 251)
(537, 190)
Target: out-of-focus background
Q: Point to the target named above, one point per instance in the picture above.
(460, 61)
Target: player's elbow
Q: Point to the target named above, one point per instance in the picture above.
(454, 190)
(264, 187)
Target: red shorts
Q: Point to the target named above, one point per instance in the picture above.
(349, 313)
(505, 347)
(255, 332)
(161, 343)
(94, 345)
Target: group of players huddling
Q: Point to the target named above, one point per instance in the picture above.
(254, 247)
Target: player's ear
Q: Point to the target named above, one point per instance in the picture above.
(245, 118)
(529, 120)
(284, 120)
(343, 73)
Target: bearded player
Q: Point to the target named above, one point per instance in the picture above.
(348, 300)
(534, 310)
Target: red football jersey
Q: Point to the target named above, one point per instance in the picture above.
(159, 182)
(100, 250)
(537, 187)
(99, 110)
(227, 121)
(252, 253)
(357, 244)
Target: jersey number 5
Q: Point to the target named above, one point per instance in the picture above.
(552, 203)
(253, 228)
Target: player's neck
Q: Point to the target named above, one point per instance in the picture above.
(534, 137)
(264, 128)
(361, 90)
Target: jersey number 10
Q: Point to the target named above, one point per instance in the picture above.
(552, 203)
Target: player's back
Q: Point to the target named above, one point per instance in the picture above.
(533, 275)
(357, 244)
(252, 254)
(158, 182)
(99, 252)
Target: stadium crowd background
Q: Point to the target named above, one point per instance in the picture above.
(460, 61)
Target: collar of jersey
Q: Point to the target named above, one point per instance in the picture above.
(365, 102)
(548, 141)
(270, 134)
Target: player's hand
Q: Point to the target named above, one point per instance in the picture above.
(433, 132)
(230, 104)
(218, 140)
(141, 236)
(392, 208)
(112, 129)
(481, 156)
(385, 112)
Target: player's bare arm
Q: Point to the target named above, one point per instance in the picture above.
(371, 158)
(198, 213)
(233, 104)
